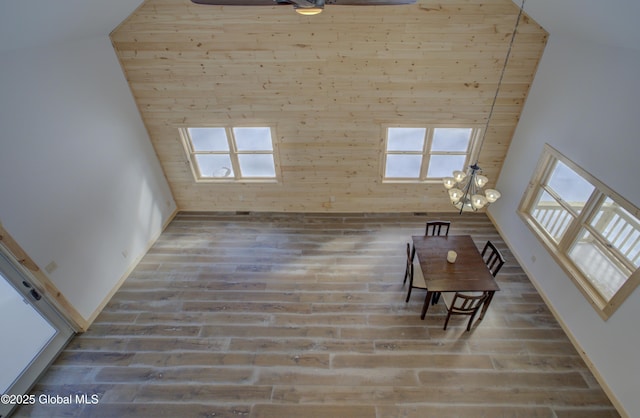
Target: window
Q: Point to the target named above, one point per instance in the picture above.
(593, 232)
(421, 153)
(230, 153)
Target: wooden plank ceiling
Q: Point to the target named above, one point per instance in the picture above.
(329, 84)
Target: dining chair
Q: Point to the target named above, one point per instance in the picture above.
(413, 272)
(437, 228)
(493, 258)
(463, 303)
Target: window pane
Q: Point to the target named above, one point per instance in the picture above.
(253, 139)
(208, 139)
(214, 165)
(407, 166)
(620, 229)
(570, 186)
(597, 266)
(444, 165)
(451, 139)
(405, 139)
(257, 165)
(551, 216)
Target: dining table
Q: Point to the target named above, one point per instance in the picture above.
(468, 273)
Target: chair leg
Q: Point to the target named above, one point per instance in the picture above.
(406, 274)
(446, 321)
(409, 292)
(470, 321)
(435, 298)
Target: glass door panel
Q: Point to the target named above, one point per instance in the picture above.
(33, 332)
(28, 331)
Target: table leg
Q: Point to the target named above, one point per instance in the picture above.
(427, 302)
(485, 305)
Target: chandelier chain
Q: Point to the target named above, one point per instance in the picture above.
(504, 68)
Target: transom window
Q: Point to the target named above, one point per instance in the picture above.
(231, 153)
(425, 153)
(593, 232)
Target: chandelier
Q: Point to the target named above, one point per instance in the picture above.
(466, 188)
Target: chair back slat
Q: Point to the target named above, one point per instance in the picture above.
(493, 258)
(412, 272)
(464, 304)
(437, 228)
(467, 304)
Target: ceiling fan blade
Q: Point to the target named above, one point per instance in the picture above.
(369, 2)
(290, 2)
(242, 2)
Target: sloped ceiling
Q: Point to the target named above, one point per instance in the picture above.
(327, 179)
(25, 24)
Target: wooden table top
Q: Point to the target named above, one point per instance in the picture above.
(468, 274)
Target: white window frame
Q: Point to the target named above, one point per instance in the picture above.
(233, 153)
(581, 222)
(470, 154)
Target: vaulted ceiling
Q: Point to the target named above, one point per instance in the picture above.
(329, 84)
(371, 66)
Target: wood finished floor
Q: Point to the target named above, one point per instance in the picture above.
(289, 315)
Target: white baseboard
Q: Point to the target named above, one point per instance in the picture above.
(133, 265)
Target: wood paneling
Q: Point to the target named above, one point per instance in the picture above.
(288, 315)
(328, 83)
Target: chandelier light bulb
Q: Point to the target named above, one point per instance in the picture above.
(455, 195)
(459, 175)
(481, 180)
(448, 182)
(478, 201)
(492, 195)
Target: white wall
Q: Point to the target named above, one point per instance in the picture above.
(80, 184)
(583, 102)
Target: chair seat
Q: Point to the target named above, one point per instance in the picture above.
(418, 278)
(448, 296)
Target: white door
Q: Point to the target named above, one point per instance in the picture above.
(33, 333)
